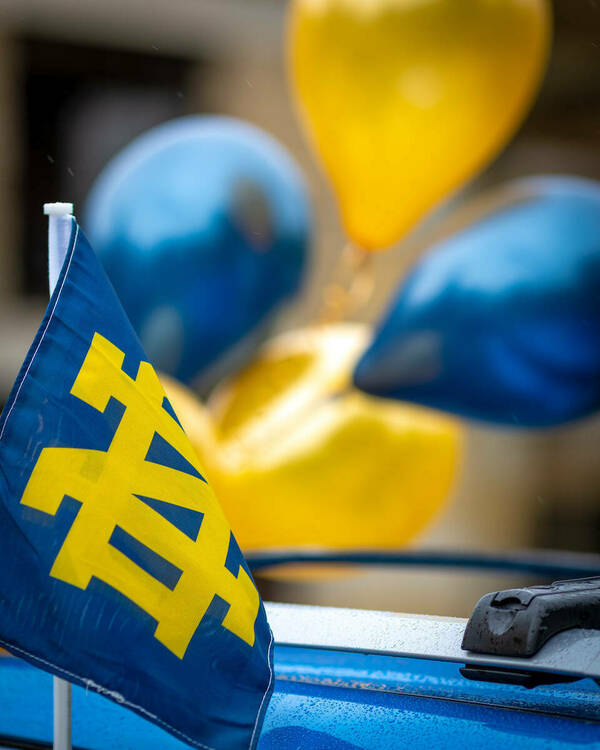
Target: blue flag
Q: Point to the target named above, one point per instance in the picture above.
(118, 569)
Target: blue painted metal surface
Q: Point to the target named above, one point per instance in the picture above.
(430, 678)
(326, 700)
(310, 716)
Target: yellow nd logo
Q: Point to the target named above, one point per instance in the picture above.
(106, 485)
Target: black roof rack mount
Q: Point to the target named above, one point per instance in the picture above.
(518, 622)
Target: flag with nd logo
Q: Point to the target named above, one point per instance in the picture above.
(118, 569)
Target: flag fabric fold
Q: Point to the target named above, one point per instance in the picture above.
(118, 568)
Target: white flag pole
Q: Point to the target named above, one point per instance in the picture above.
(60, 219)
(62, 714)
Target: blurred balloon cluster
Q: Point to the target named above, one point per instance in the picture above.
(203, 225)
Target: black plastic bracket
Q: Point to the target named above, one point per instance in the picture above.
(517, 622)
(526, 678)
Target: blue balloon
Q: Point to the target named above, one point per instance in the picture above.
(203, 226)
(501, 322)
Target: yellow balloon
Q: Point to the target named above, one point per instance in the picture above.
(406, 99)
(297, 457)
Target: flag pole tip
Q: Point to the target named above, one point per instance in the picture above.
(58, 209)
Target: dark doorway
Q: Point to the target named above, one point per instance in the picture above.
(81, 106)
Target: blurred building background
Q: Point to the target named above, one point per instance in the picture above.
(79, 79)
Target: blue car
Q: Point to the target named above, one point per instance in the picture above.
(525, 670)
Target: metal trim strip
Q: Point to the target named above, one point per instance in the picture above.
(573, 652)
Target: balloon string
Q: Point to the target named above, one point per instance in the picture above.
(351, 286)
